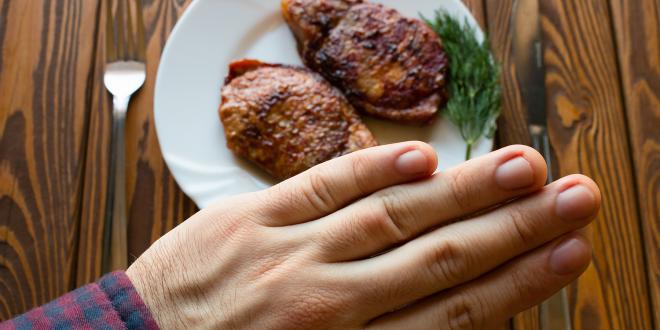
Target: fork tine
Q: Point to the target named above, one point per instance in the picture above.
(130, 44)
(125, 39)
(141, 46)
(110, 45)
(121, 30)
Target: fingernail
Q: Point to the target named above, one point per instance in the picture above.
(576, 202)
(569, 256)
(514, 174)
(412, 162)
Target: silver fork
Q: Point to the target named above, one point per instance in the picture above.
(124, 74)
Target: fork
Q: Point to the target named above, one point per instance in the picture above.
(124, 74)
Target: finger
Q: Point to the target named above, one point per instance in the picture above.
(399, 213)
(520, 284)
(327, 187)
(459, 252)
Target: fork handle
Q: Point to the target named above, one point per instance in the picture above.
(115, 240)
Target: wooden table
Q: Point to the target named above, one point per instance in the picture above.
(603, 93)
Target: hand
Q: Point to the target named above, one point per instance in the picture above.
(375, 240)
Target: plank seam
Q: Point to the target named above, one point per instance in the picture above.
(625, 98)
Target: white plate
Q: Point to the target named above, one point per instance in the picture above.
(212, 33)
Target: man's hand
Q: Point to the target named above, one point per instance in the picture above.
(375, 240)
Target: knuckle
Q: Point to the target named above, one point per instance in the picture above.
(361, 170)
(446, 262)
(373, 220)
(523, 287)
(230, 223)
(273, 202)
(345, 234)
(520, 227)
(368, 223)
(318, 192)
(395, 214)
(382, 292)
(463, 312)
(279, 200)
(462, 188)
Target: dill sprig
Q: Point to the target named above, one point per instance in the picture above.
(474, 89)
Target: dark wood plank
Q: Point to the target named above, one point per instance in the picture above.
(95, 173)
(512, 126)
(478, 10)
(512, 130)
(637, 30)
(155, 202)
(45, 60)
(40, 183)
(586, 124)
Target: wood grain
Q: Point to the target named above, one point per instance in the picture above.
(47, 49)
(603, 69)
(512, 125)
(155, 203)
(478, 10)
(586, 128)
(95, 173)
(637, 31)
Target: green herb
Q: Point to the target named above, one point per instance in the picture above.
(474, 89)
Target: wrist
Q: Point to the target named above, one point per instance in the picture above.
(169, 282)
(150, 282)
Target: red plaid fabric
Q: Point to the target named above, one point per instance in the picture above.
(109, 303)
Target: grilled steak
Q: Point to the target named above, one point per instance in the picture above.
(387, 65)
(287, 119)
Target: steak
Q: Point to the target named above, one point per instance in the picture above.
(287, 119)
(387, 65)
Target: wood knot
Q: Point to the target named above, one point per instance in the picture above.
(568, 111)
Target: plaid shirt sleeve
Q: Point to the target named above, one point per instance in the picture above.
(109, 303)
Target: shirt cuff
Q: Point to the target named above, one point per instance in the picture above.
(110, 303)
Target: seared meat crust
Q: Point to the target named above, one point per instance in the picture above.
(287, 119)
(387, 65)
